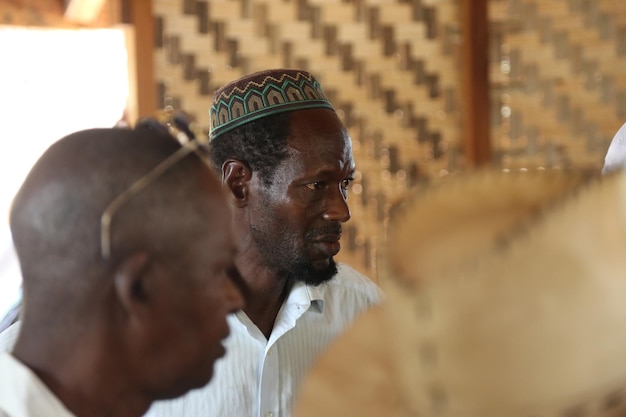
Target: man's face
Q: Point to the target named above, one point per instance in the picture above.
(296, 221)
(199, 293)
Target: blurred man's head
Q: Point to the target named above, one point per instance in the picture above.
(150, 301)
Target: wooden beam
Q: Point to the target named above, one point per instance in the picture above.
(475, 64)
(138, 13)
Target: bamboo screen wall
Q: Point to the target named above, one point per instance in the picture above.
(390, 68)
(558, 74)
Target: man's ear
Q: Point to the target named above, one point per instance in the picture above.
(131, 284)
(236, 177)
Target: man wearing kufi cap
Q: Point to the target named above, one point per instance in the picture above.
(286, 160)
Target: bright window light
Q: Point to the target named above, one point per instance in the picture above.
(52, 82)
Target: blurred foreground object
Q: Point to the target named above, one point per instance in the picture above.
(615, 158)
(505, 298)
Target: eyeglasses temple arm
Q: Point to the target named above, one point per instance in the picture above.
(134, 189)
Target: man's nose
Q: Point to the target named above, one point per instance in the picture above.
(337, 206)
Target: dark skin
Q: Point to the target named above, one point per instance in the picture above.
(298, 216)
(93, 328)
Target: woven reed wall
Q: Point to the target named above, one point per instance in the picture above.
(558, 81)
(390, 68)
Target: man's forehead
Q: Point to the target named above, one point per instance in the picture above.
(317, 160)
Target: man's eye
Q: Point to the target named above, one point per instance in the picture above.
(315, 186)
(345, 184)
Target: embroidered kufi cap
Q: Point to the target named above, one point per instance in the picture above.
(504, 298)
(263, 94)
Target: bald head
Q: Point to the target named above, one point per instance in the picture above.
(98, 324)
(55, 217)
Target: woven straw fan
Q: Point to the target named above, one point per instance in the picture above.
(506, 297)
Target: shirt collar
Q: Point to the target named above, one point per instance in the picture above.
(307, 297)
(23, 393)
(301, 298)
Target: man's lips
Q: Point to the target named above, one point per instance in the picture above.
(329, 245)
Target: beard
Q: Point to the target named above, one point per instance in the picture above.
(290, 260)
(306, 273)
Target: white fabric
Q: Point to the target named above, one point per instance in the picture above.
(258, 377)
(615, 158)
(9, 336)
(10, 274)
(23, 394)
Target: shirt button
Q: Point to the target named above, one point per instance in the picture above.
(268, 414)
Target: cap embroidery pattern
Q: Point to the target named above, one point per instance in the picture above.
(262, 94)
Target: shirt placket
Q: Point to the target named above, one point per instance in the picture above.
(269, 384)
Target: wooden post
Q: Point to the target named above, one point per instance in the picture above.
(138, 13)
(475, 82)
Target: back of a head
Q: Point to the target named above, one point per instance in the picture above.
(55, 217)
(250, 116)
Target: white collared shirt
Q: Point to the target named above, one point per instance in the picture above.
(260, 377)
(23, 394)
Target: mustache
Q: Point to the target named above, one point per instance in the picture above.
(327, 229)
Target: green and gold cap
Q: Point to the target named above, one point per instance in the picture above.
(262, 94)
